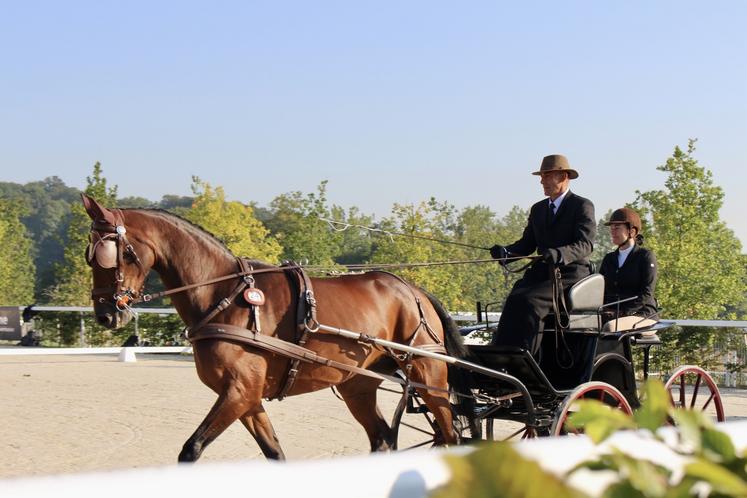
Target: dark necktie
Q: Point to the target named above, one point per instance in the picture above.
(553, 209)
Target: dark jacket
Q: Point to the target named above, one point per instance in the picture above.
(571, 231)
(636, 277)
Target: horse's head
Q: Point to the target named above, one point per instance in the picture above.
(120, 260)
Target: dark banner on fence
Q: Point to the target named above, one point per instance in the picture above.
(10, 323)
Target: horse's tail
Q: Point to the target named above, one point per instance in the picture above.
(460, 380)
(452, 337)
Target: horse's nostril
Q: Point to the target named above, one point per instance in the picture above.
(105, 319)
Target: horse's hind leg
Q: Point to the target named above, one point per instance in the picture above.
(435, 373)
(229, 406)
(258, 424)
(359, 394)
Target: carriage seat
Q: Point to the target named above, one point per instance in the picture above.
(584, 300)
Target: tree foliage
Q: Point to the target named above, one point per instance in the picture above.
(602, 242)
(297, 220)
(701, 271)
(46, 209)
(700, 264)
(232, 222)
(17, 270)
(429, 219)
(458, 286)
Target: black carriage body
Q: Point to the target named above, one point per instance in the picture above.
(567, 359)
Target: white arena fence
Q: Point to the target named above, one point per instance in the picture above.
(722, 377)
(412, 474)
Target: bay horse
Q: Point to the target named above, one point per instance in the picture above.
(125, 244)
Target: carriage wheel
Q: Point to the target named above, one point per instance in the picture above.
(420, 429)
(600, 391)
(691, 387)
(509, 430)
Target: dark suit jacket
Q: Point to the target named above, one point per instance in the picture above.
(636, 277)
(571, 231)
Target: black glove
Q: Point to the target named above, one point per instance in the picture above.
(550, 256)
(499, 252)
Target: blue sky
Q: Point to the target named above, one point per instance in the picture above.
(389, 101)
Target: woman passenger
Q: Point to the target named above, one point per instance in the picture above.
(629, 272)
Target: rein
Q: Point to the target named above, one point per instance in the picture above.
(361, 267)
(124, 298)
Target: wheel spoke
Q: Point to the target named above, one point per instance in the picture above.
(420, 444)
(415, 428)
(695, 383)
(514, 434)
(682, 390)
(695, 390)
(713, 395)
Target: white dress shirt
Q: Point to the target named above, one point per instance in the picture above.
(557, 202)
(622, 255)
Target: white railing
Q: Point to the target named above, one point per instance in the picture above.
(414, 474)
(128, 353)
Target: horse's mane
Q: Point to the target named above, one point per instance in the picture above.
(194, 229)
(185, 224)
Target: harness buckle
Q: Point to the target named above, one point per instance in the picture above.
(311, 324)
(310, 298)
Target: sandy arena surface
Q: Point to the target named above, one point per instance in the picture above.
(63, 414)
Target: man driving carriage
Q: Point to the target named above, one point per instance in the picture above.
(561, 228)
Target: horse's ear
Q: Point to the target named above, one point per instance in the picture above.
(96, 211)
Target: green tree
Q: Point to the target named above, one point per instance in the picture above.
(479, 226)
(428, 219)
(355, 243)
(135, 202)
(73, 276)
(46, 212)
(16, 261)
(296, 220)
(232, 222)
(701, 272)
(602, 242)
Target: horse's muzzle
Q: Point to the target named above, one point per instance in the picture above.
(108, 316)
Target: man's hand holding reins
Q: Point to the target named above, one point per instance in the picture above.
(550, 256)
(500, 253)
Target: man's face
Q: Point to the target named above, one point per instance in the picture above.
(554, 183)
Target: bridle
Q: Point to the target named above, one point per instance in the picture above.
(103, 233)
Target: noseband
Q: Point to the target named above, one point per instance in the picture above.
(105, 231)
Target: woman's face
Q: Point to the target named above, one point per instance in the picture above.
(619, 233)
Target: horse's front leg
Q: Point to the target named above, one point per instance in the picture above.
(230, 405)
(259, 426)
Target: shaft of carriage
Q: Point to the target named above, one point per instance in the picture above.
(457, 362)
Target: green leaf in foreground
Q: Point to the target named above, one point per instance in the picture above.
(654, 409)
(598, 420)
(721, 479)
(499, 471)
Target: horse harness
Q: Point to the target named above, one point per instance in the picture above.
(306, 323)
(109, 251)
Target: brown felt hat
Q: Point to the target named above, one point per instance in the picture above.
(556, 162)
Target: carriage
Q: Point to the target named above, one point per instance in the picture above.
(261, 331)
(536, 396)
